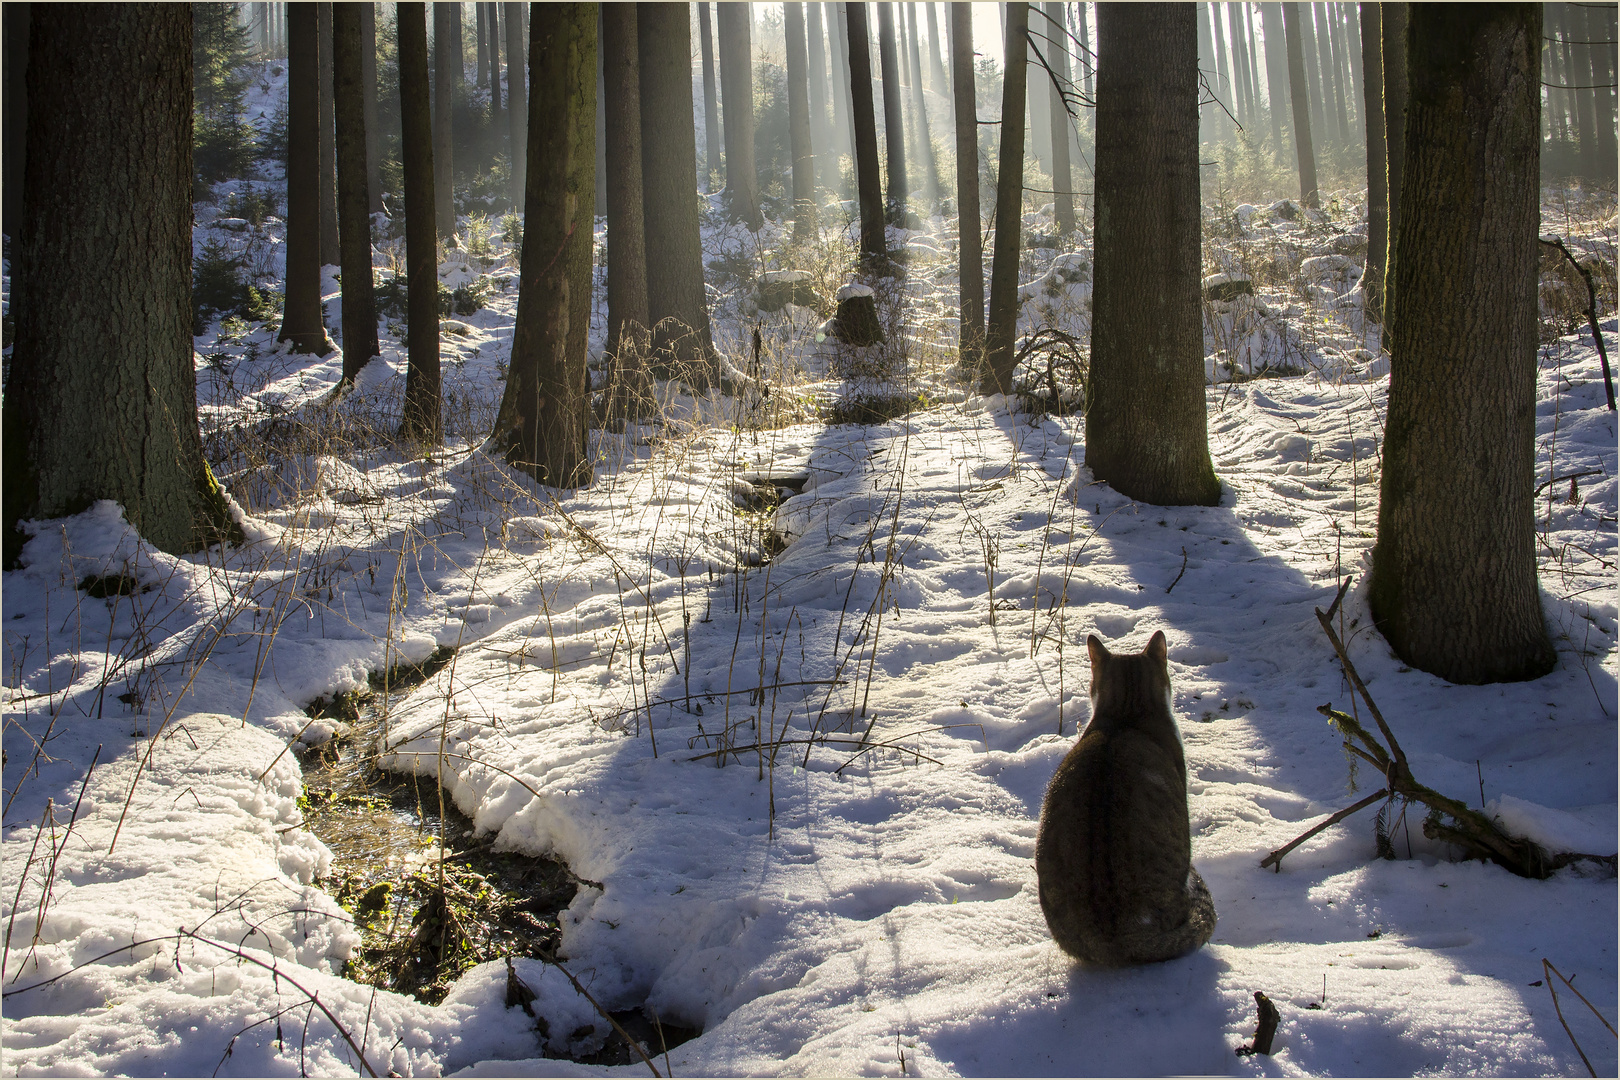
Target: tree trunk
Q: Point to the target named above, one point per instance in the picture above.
(843, 101)
(15, 105)
(601, 129)
(494, 18)
(804, 159)
(1146, 432)
(1599, 73)
(1209, 113)
(1038, 133)
(480, 11)
(970, 268)
(368, 90)
(874, 245)
(1372, 65)
(820, 128)
(1303, 149)
(101, 401)
(1329, 47)
(1223, 88)
(1062, 175)
(925, 138)
(301, 321)
(542, 428)
(894, 130)
(1240, 66)
(1271, 23)
(996, 376)
(1357, 92)
(517, 99)
(1453, 581)
(330, 254)
(627, 251)
(936, 67)
(711, 99)
(444, 96)
(354, 196)
(737, 84)
(458, 55)
(422, 415)
(1395, 16)
(676, 305)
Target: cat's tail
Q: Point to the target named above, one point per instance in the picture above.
(1151, 947)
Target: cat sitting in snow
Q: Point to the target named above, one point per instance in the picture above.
(1113, 857)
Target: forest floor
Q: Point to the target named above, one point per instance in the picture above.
(888, 617)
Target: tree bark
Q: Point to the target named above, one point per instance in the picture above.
(1372, 83)
(542, 425)
(936, 67)
(627, 251)
(1062, 175)
(301, 321)
(1317, 87)
(970, 266)
(1240, 65)
(894, 128)
(1598, 73)
(804, 158)
(1331, 73)
(330, 254)
(925, 138)
(1358, 79)
(711, 102)
(874, 245)
(422, 419)
(737, 84)
(843, 102)
(354, 196)
(15, 105)
(676, 304)
(444, 95)
(996, 376)
(1395, 18)
(368, 87)
(101, 400)
(1224, 86)
(1453, 581)
(1146, 430)
(1303, 149)
(517, 100)
(480, 13)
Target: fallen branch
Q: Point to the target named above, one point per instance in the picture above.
(1591, 315)
(1548, 971)
(1469, 829)
(603, 1013)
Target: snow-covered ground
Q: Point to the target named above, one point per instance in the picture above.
(629, 684)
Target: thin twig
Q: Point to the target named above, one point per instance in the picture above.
(586, 994)
(1276, 857)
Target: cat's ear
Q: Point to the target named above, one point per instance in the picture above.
(1097, 651)
(1157, 648)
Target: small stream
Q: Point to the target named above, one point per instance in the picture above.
(425, 920)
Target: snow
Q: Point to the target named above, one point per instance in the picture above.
(910, 667)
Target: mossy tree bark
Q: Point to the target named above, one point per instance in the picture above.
(804, 158)
(737, 86)
(997, 373)
(446, 66)
(1146, 426)
(970, 265)
(1372, 84)
(1453, 582)
(421, 418)
(517, 97)
(1304, 150)
(301, 321)
(868, 183)
(541, 428)
(894, 128)
(627, 251)
(676, 304)
(354, 195)
(101, 401)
